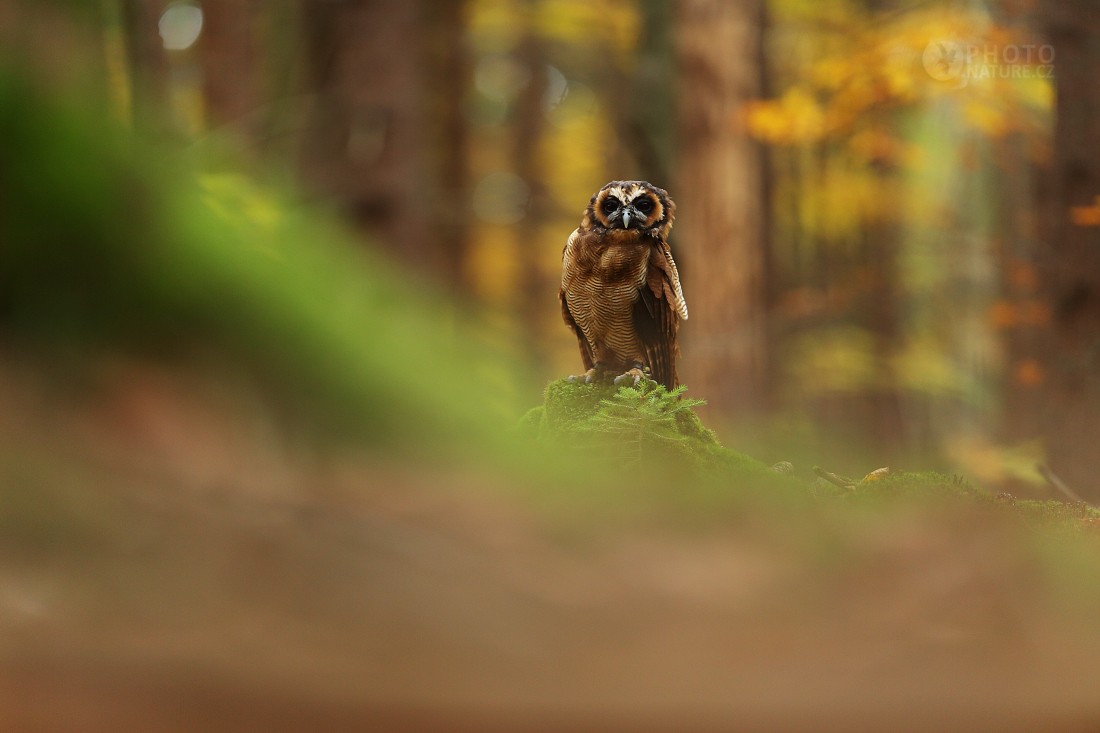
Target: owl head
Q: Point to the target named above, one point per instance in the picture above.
(631, 205)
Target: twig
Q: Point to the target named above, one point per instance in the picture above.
(1059, 484)
(834, 479)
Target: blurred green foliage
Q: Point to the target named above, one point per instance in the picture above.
(112, 245)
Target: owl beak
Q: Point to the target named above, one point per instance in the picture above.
(626, 220)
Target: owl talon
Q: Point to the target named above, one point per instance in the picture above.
(588, 377)
(634, 376)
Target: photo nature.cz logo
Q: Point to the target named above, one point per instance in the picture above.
(961, 61)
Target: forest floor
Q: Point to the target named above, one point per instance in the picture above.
(178, 568)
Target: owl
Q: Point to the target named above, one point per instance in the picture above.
(620, 289)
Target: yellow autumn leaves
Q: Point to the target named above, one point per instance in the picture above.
(846, 74)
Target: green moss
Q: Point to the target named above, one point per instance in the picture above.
(1051, 510)
(648, 428)
(533, 422)
(570, 404)
(925, 483)
(640, 425)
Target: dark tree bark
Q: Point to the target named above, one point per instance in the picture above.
(386, 131)
(1071, 263)
(365, 139)
(147, 65)
(231, 51)
(448, 78)
(1023, 330)
(537, 289)
(719, 190)
(641, 99)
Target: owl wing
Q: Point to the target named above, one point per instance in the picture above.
(586, 350)
(657, 314)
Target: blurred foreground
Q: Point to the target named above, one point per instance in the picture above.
(166, 566)
(251, 484)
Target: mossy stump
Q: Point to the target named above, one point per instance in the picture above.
(645, 428)
(639, 425)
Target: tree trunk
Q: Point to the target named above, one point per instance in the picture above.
(147, 65)
(448, 77)
(1071, 264)
(718, 238)
(232, 60)
(536, 286)
(365, 141)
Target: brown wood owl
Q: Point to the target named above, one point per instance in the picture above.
(620, 290)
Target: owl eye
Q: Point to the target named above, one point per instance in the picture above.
(609, 205)
(644, 205)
